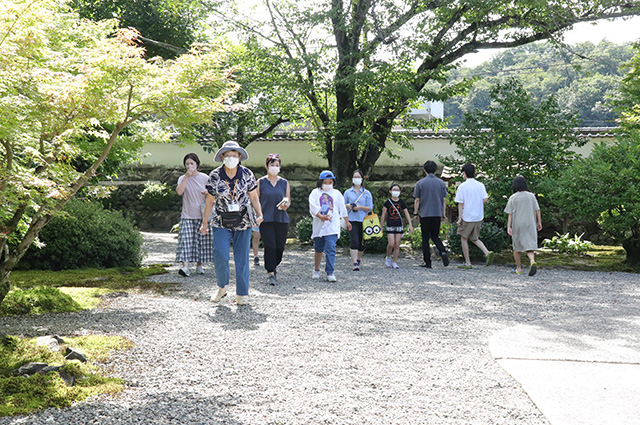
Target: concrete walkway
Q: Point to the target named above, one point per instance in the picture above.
(581, 369)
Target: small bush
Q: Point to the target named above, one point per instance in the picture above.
(87, 235)
(492, 235)
(157, 196)
(567, 245)
(304, 229)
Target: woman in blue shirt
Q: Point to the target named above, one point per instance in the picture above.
(275, 199)
(359, 202)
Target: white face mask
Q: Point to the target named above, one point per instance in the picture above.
(357, 181)
(231, 162)
(395, 193)
(327, 187)
(191, 166)
(273, 170)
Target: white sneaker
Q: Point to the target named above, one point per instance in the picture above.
(200, 270)
(395, 266)
(184, 272)
(316, 274)
(222, 292)
(331, 278)
(242, 299)
(387, 262)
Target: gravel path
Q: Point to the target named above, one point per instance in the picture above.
(380, 346)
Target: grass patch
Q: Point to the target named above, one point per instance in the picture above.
(25, 395)
(46, 291)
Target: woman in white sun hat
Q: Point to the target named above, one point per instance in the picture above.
(231, 188)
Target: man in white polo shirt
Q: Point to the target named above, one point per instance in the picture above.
(471, 197)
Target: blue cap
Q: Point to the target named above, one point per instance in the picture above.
(326, 174)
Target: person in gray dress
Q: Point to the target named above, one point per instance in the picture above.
(524, 223)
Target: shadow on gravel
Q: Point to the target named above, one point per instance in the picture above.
(243, 317)
(160, 408)
(105, 321)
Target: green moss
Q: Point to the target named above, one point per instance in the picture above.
(45, 291)
(599, 258)
(40, 391)
(114, 278)
(37, 300)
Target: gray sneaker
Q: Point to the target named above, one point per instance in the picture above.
(271, 279)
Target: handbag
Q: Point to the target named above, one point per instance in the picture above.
(231, 219)
(371, 227)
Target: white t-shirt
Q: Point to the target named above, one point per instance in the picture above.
(472, 194)
(331, 203)
(193, 198)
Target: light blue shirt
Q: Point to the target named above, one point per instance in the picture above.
(366, 200)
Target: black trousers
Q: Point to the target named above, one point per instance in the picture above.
(355, 236)
(274, 236)
(430, 227)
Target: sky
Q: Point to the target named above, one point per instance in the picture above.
(617, 31)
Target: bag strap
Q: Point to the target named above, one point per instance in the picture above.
(358, 198)
(395, 208)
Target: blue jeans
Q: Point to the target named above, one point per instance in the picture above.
(221, 245)
(327, 244)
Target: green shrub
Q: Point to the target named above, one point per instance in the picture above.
(304, 229)
(567, 245)
(415, 238)
(493, 236)
(157, 196)
(87, 235)
(38, 300)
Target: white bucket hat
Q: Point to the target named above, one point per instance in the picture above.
(231, 146)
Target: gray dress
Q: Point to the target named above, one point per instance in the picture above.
(523, 206)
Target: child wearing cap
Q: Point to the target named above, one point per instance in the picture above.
(326, 206)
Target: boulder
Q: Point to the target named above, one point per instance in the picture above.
(52, 342)
(29, 369)
(75, 354)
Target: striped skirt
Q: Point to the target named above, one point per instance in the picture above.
(192, 246)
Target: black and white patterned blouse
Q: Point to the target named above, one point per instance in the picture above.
(226, 190)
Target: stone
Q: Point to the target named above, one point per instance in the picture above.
(67, 378)
(29, 369)
(75, 354)
(48, 369)
(52, 342)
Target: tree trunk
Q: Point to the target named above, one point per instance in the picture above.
(5, 271)
(348, 130)
(632, 248)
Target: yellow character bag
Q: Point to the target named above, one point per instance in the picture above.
(371, 227)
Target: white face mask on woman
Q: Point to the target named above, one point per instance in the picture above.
(273, 170)
(327, 187)
(395, 193)
(356, 181)
(231, 162)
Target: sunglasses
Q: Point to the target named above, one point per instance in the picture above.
(273, 156)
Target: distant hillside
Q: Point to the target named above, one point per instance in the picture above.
(583, 77)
